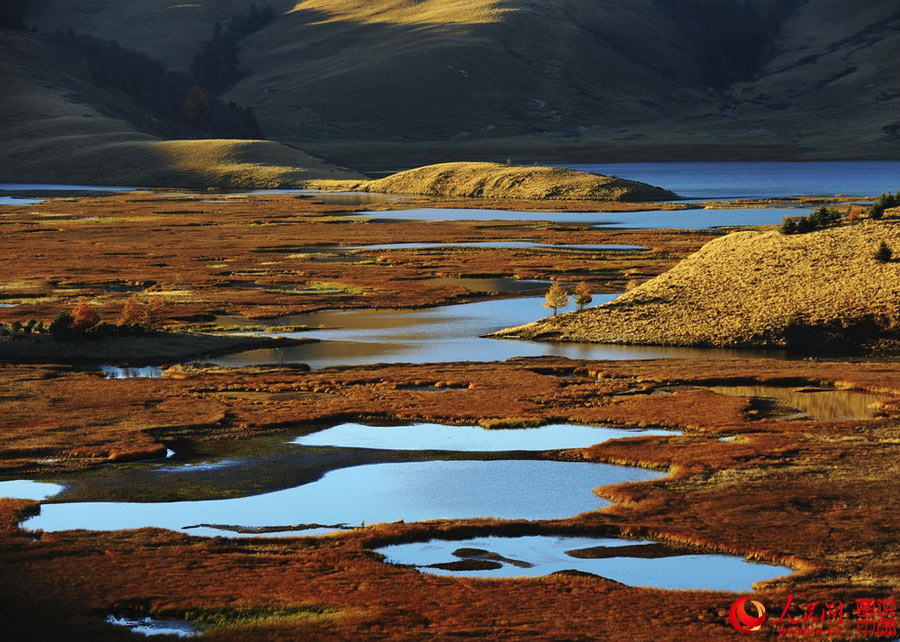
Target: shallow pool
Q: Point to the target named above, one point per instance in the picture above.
(26, 489)
(694, 219)
(413, 491)
(426, 436)
(533, 556)
(443, 334)
(815, 403)
(600, 247)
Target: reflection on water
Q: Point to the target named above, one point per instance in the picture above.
(415, 491)
(698, 219)
(25, 489)
(14, 200)
(815, 403)
(116, 372)
(449, 333)
(533, 556)
(468, 438)
(331, 198)
(149, 626)
(759, 179)
(601, 247)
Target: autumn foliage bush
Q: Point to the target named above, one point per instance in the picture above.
(148, 314)
(84, 316)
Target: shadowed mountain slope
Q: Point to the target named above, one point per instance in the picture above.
(381, 84)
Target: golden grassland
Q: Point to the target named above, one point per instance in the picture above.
(752, 288)
(818, 495)
(494, 180)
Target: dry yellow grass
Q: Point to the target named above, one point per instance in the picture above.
(494, 180)
(745, 288)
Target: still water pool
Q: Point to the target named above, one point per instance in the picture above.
(413, 491)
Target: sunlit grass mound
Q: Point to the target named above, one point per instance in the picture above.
(818, 290)
(495, 180)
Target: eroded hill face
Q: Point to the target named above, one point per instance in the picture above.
(539, 78)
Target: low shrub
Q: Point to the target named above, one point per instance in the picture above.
(61, 326)
(821, 219)
(884, 253)
(882, 203)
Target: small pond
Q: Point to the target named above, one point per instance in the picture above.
(427, 436)
(815, 403)
(26, 489)
(601, 247)
(533, 556)
(695, 219)
(149, 626)
(413, 491)
(117, 372)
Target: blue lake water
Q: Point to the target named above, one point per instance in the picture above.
(416, 491)
(533, 556)
(14, 200)
(427, 436)
(694, 219)
(728, 180)
(501, 244)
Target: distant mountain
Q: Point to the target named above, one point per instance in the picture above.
(380, 84)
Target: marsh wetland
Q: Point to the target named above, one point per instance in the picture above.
(398, 472)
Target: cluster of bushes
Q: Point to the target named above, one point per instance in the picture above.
(216, 66)
(32, 326)
(137, 318)
(170, 96)
(882, 203)
(818, 220)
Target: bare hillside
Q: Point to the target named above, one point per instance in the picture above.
(382, 84)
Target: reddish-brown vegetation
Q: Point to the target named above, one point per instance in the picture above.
(817, 495)
(266, 256)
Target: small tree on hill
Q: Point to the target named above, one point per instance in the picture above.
(556, 297)
(583, 295)
(883, 254)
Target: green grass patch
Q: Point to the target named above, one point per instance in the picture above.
(254, 616)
